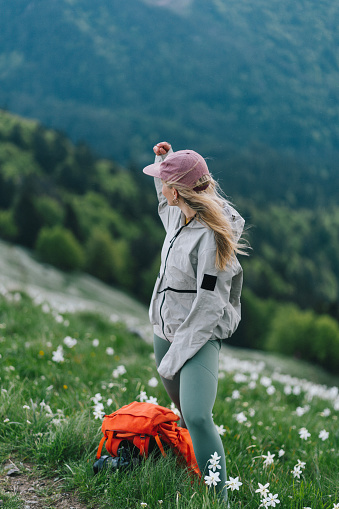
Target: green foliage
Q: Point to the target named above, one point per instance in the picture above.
(8, 229)
(305, 335)
(51, 210)
(47, 419)
(295, 255)
(46, 181)
(59, 247)
(109, 259)
(261, 71)
(285, 328)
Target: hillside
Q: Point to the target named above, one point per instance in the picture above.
(20, 271)
(81, 213)
(235, 79)
(61, 373)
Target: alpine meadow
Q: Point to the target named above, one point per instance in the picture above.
(87, 89)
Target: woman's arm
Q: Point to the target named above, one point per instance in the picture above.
(161, 151)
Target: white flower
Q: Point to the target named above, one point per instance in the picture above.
(262, 489)
(281, 453)
(214, 462)
(212, 478)
(45, 308)
(143, 504)
(153, 382)
(241, 417)
(240, 377)
(251, 412)
(99, 407)
(96, 398)
(173, 408)
(120, 370)
(233, 483)
(58, 355)
(268, 458)
(70, 342)
(287, 390)
(220, 429)
(152, 400)
(270, 390)
(26, 407)
(300, 411)
(304, 434)
(296, 390)
(235, 394)
(142, 396)
(98, 414)
(95, 342)
(252, 385)
(326, 412)
(336, 506)
(109, 350)
(48, 409)
(109, 401)
(272, 500)
(160, 502)
(301, 464)
(265, 381)
(6, 420)
(323, 434)
(296, 471)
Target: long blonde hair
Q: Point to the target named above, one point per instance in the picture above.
(208, 202)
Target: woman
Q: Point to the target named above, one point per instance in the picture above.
(196, 299)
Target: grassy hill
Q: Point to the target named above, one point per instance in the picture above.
(56, 368)
(219, 76)
(79, 212)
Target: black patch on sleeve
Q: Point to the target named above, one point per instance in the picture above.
(209, 282)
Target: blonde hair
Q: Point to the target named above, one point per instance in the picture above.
(209, 205)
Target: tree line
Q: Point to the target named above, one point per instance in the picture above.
(79, 212)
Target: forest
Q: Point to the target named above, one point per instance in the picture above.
(223, 77)
(79, 212)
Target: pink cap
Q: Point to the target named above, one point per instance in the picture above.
(184, 167)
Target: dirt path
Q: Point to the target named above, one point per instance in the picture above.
(18, 481)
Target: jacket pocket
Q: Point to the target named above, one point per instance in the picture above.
(176, 308)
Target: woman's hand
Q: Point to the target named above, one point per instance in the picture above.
(161, 148)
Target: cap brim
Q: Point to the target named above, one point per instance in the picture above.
(153, 170)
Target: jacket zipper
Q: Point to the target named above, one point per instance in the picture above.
(165, 264)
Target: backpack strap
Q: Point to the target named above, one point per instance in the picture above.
(102, 441)
(158, 441)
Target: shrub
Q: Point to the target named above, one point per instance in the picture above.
(305, 335)
(8, 229)
(109, 259)
(100, 255)
(50, 210)
(257, 315)
(59, 247)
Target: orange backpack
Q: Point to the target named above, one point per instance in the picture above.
(138, 422)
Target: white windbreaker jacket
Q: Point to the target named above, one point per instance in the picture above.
(193, 301)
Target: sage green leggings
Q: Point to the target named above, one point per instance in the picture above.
(193, 391)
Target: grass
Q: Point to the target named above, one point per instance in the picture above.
(47, 420)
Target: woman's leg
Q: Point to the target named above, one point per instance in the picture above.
(198, 389)
(193, 391)
(172, 387)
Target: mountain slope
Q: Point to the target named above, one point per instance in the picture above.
(217, 76)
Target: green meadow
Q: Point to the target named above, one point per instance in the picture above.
(61, 371)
